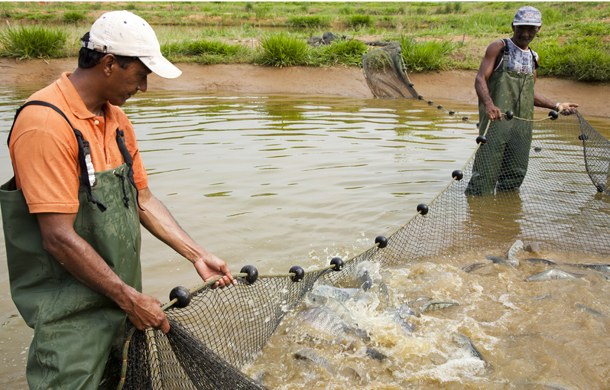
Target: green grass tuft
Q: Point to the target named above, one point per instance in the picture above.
(426, 56)
(29, 42)
(282, 49)
(341, 52)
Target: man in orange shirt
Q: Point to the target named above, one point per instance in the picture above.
(73, 210)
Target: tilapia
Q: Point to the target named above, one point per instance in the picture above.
(424, 305)
(327, 324)
(603, 268)
(589, 310)
(339, 294)
(473, 267)
(552, 274)
(537, 260)
(464, 341)
(401, 315)
(310, 355)
(511, 255)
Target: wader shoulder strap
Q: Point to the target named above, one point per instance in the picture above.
(120, 140)
(505, 54)
(84, 152)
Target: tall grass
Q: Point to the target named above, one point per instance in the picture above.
(29, 42)
(308, 21)
(282, 49)
(575, 60)
(341, 52)
(205, 52)
(431, 25)
(426, 56)
(358, 21)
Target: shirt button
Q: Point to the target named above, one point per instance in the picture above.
(96, 122)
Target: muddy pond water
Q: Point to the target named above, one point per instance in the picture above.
(282, 180)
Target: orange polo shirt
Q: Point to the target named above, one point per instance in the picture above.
(44, 150)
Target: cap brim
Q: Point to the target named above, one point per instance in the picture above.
(161, 66)
(527, 24)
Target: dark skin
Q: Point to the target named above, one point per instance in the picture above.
(522, 37)
(109, 82)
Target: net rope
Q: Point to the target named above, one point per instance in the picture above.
(563, 205)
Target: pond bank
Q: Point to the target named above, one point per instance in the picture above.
(335, 81)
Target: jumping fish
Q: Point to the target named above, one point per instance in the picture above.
(551, 274)
(511, 255)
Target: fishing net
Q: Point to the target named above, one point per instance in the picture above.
(562, 204)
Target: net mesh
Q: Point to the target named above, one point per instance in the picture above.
(562, 205)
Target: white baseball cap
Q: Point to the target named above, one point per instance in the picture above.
(126, 34)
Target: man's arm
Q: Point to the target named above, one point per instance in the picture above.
(540, 100)
(565, 108)
(157, 219)
(85, 264)
(480, 84)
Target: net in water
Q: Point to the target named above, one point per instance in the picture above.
(562, 204)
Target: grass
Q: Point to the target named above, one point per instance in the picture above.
(433, 35)
(282, 50)
(32, 42)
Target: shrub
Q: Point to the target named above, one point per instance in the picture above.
(32, 42)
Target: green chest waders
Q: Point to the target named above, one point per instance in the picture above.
(501, 163)
(74, 327)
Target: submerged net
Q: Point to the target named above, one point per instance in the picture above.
(562, 205)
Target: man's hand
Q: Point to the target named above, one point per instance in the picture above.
(145, 312)
(493, 112)
(567, 108)
(213, 267)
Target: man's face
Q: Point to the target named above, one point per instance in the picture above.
(126, 82)
(523, 35)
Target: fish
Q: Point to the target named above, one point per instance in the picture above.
(511, 255)
(310, 355)
(424, 305)
(552, 274)
(603, 268)
(537, 260)
(401, 315)
(340, 294)
(589, 310)
(375, 354)
(473, 267)
(465, 341)
(323, 322)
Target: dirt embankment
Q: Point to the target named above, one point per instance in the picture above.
(335, 81)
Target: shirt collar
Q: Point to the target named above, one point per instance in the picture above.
(75, 102)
